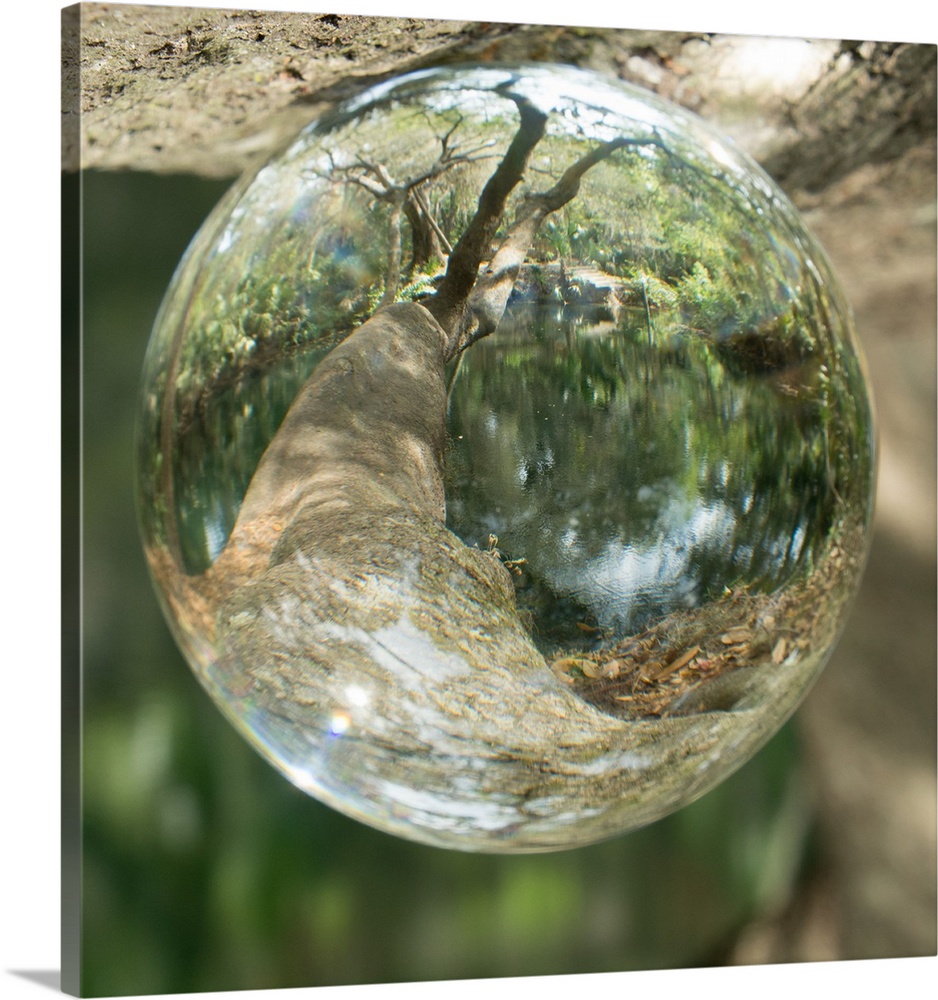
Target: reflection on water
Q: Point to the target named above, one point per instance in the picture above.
(633, 479)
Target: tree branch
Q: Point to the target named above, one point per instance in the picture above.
(448, 306)
(489, 297)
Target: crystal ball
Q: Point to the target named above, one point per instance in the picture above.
(505, 458)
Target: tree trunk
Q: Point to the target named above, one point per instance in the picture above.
(392, 281)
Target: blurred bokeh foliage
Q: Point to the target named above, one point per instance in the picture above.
(203, 869)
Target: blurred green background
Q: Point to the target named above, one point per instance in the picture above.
(204, 869)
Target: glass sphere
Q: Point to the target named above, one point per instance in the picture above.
(505, 458)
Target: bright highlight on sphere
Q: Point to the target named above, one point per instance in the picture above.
(505, 460)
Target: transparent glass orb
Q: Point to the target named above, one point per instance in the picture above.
(505, 459)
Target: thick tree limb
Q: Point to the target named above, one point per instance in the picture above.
(489, 297)
(449, 304)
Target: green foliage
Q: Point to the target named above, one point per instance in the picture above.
(418, 286)
(659, 294)
(707, 304)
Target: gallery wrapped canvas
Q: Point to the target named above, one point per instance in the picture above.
(478, 460)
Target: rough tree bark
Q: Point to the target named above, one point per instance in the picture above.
(169, 89)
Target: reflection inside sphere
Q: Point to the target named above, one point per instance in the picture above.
(505, 459)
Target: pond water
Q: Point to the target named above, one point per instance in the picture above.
(631, 469)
